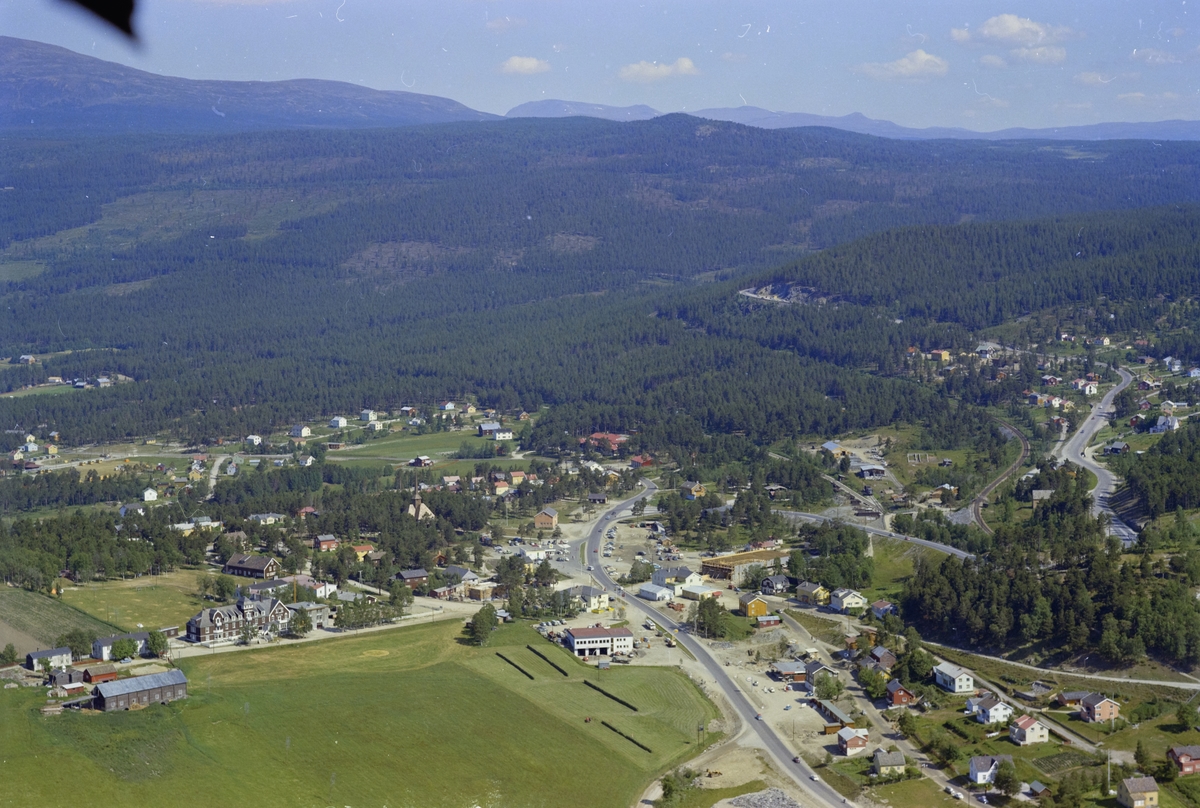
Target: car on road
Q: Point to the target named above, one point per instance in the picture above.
(590, 568)
(814, 778)
(797, 759)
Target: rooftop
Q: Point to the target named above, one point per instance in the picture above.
(136, 684)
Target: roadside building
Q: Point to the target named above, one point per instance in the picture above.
(775, 585)
(57, 658)
(993, 711)
(953, 679)
(852, 741)
(843, 600)
(98, 674)
(789, 671)
(655, 593)
(102, 648)
(888, 763)
(1097, 707)
(591, 598)
(157, 688)
(318, 613)
(753, 605)
(586, 642)
(983, 768)
(812, 594)
(546, 519)
(898, 695)
(835, 718)
(699, 592)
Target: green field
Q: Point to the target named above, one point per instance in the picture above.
(56, 390)
(44, 618)
(895, 562)
(408, 717)
(154, 601)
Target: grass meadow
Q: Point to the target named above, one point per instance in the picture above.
(45, 618)
(155, 601)
(409, 717)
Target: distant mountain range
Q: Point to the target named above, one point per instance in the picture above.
(857, 122)
(45, 87)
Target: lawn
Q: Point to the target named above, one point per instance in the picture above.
(921, 793)
(894, 564)
(403, 717)
(45, 618)
(153, 601)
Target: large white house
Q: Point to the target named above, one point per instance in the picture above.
(368, 416)
(953, 678)
(300, 431)
(843, 600)
(337, 422)
(1028, 730)
(587, 642)
(676, 578)
(149, 495)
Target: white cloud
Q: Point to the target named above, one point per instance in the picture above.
(1154, 57)
(524, 65)
(991, 60)
(1043, 55)
(1022, 31)
(960, 34)
(1092, 79)
(657, 71)
(1132, 97)
(730, 56)
(916, 65)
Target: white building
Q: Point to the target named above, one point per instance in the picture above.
(149, 495)
(843, 600)
(266, 518)
(993, 711)
(984, 768)
(655, 593)
(676, 578)
(337, 422)
(254, 440)
(953, 679)
(503, 434)
(587, 642)
(368, 416)
(300, 431)
(1028, 730)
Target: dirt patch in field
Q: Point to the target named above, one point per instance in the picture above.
(22, 641)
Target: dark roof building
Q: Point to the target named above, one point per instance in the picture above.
(252, 566)
(157, 688)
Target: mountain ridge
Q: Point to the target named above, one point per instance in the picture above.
(861, 124)
(45, 87)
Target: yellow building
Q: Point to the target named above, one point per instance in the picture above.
(753, 605)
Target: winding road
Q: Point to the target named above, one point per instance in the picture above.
(803, 776)
(1075, 450)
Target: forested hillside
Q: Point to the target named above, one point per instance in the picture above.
(246, 281)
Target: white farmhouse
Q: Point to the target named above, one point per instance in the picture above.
(953, 679)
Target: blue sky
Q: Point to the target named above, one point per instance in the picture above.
(979, 65)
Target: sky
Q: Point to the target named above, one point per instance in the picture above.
(973, 64)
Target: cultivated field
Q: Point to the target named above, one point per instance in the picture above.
(410, 717)
(44, 618)
(153, 601)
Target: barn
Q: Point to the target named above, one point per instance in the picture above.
(157, 688)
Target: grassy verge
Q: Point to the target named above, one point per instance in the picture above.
(708, 797)
(825, 630)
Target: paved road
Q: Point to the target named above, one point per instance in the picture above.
(213, 472)
(799, 772)
(932, 545)
(977, 504)
(1075, 450)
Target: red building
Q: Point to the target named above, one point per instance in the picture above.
(1187, 758)
(898, 695)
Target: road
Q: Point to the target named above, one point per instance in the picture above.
(213, 472)
(772, 743)
(875, 531)
(977, 504)
(1075, 450)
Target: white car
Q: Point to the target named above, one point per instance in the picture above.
(814, 778)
